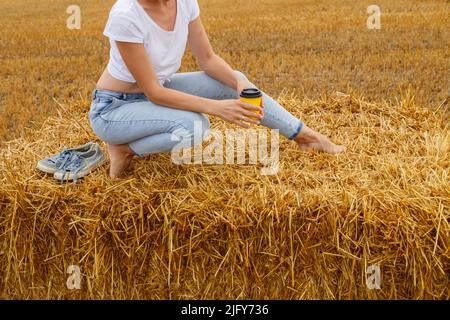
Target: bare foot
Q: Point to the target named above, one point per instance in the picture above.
(309, 139)
(120, 157)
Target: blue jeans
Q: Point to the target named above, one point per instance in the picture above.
(130, 118)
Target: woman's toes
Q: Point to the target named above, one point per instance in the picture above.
(330, 147)
(335, 149)
(340, 149)
(309, 139)
(324, 144)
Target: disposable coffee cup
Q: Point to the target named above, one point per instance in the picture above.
(252, 96)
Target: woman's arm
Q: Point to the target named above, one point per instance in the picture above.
(209, 62)
(139, 64)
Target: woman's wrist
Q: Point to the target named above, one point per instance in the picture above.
(212, 107)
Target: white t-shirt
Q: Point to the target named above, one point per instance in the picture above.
(128, 22)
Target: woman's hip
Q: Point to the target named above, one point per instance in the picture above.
(117, 120)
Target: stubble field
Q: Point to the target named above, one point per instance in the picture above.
(226, 232)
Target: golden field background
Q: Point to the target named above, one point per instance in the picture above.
(226, 232)
(315, 47)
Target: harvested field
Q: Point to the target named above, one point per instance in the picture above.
(172, 231)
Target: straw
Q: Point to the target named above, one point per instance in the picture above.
(227, 232)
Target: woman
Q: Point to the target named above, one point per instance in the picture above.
(140, 100)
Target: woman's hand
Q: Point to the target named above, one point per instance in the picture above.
(237, 112)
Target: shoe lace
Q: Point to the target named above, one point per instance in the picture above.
(61, 159)
(73, 164)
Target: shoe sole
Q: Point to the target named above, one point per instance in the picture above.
(45, 169)
(51, 170)
(70, 176)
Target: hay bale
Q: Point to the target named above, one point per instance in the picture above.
(225, 231)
